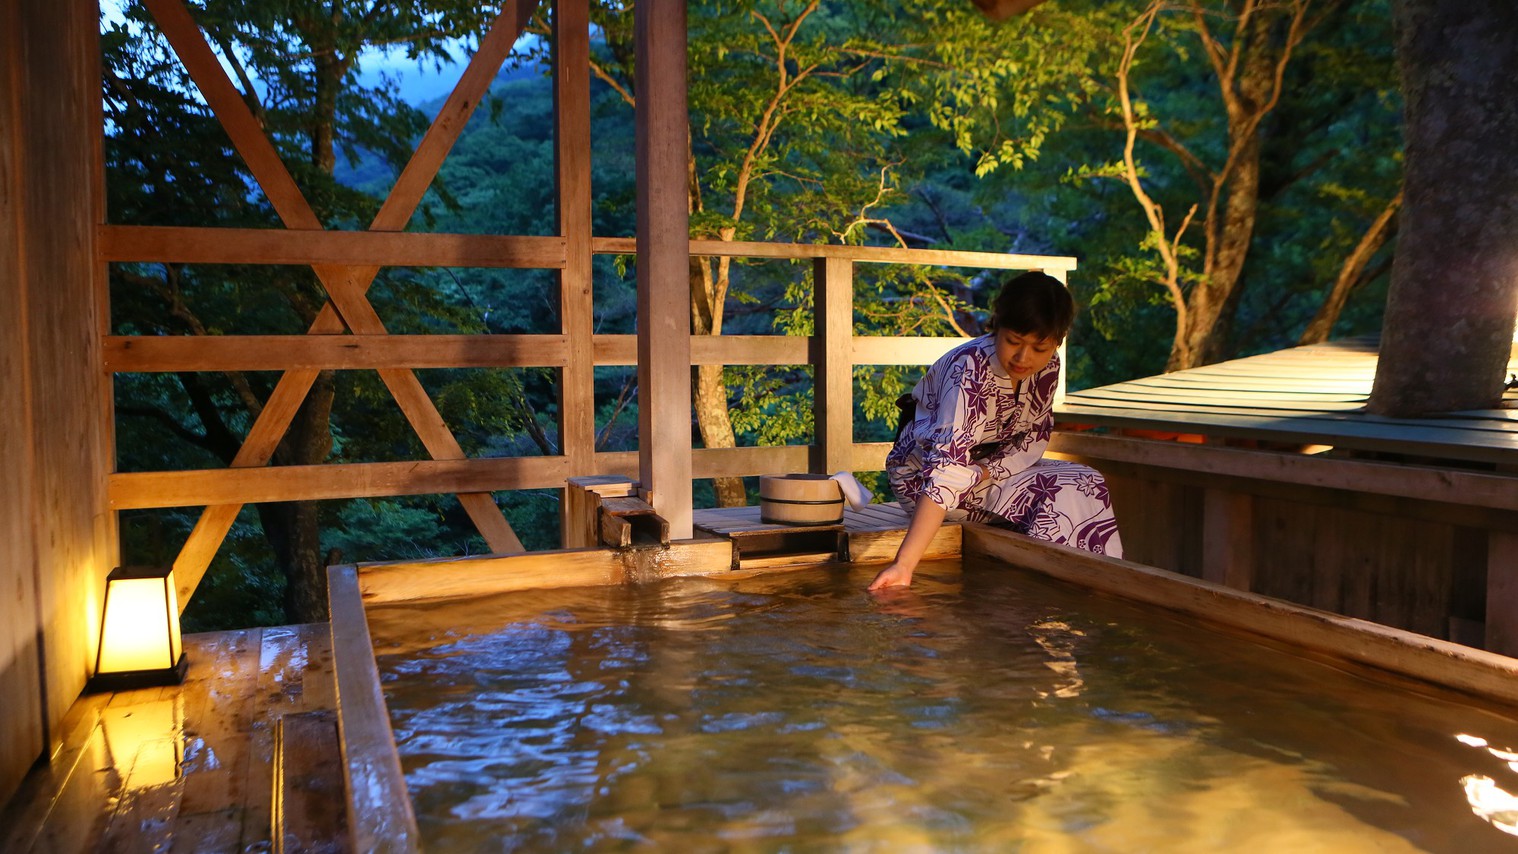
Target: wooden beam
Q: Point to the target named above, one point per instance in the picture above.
(314, 246)
(861, 254)
(483, 576)
(714, 350)
(576, 391)
(379, 807)
(833, 378)
(663, 257)
(172, 353)
(234, 487)
(1483, 674)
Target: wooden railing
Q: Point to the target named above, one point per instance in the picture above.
(833, 352)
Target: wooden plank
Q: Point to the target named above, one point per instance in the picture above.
(220, 709)
(1228, 538)
(663, 252)
(147, 805)
(24, 727)
(881, 546)
(714, 350)
(173, 353)
(49, 172)
(379, 808)
(861, 254)
(798, 560)
(1477, 446)
(1234, 397)
(319, 246)
(1482, 674)
(833, 374)
(1289, 568)
(1427, 483)
(1258, 409)
(58, 806)
(310, 812)
(870, 456)
(234, 487)
(1502, 592)
(576, 392)
(451, 578)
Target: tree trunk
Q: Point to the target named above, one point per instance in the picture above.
(1230, 232)
(709, 395)
(1322, 323)
(294, 528)
(1447, 334)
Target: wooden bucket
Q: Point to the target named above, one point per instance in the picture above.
(800, 499)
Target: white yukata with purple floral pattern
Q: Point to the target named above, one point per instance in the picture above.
(967, 399)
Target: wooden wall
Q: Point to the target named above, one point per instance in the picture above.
(54, 528)
(1419, 565)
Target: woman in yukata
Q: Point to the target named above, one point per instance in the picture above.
(974, 430)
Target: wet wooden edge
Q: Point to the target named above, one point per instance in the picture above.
(380, 816)
(1471, 671)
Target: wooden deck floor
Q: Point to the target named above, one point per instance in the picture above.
(185, 768)
(1308, 395)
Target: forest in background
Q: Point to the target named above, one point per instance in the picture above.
(1226, 173)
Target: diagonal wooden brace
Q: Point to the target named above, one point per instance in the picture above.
(347, 287)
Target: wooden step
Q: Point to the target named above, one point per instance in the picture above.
(310, 812)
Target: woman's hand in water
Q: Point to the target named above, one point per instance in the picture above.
(895, 575)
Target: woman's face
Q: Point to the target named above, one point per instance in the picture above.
(1023, 354)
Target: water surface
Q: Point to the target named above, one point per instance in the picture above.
(987, 709)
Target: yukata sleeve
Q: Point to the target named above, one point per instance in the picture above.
(957, 403)
(1027, 446)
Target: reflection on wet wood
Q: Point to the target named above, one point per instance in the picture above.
(182, 768)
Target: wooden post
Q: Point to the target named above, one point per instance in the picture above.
(833, 381)
(664, 395)
(1502, 593)
(577, 404)
(1228, 538)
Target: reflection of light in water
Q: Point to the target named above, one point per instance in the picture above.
(144, 740)
(1492, 802)
(1055, 638)
(1487, 799)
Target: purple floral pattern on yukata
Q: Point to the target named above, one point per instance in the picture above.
(965, 402)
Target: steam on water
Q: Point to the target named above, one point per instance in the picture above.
(980, 710)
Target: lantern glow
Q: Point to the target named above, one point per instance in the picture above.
(140, 643)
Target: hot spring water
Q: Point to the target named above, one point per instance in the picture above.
(984, 709)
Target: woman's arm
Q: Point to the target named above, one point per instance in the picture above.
(926, 520)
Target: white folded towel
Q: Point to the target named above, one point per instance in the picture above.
(853, 491)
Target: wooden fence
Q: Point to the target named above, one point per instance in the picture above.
(832, 351)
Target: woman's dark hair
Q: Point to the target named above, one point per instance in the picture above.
(1034, 304)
